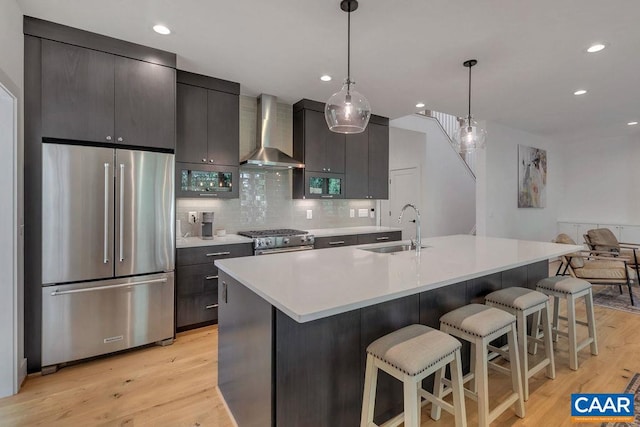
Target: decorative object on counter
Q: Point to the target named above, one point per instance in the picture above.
(347, 111)
(207, 225)
(470, 136)
(532, 177)
(221, 232)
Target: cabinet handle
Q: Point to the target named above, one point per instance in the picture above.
(225, 296)
(120, 139)
(208, 195)
(382, 238)
(204, 160)
(108, 137)
(324, 169)
(211, 277)
(339, 242)
(210, 160)
(218, 253)
(327, 197)
(328, 169)
(209, 307)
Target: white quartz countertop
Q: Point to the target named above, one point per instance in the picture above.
(342, 231)
(310, 285)
(193, 242)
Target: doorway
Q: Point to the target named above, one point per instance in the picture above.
(404, 187)
(9, 245)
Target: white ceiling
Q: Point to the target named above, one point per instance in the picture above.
(530, 52)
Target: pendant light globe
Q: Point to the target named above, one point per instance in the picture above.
(347, 111)
(470, 136)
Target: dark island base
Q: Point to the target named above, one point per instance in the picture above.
(274, 371)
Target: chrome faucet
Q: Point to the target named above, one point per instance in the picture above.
(417, 244)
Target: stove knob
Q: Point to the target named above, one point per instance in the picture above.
(285, 240)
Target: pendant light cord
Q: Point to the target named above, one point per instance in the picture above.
(469, 93)
(349, 49)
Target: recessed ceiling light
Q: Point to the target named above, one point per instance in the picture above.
(161, 29)
(596, 47)
(325, 78)
(580, 92)
(420, 105)
(632, 123)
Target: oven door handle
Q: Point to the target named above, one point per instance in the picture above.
(283, 250)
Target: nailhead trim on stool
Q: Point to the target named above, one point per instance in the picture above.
(570, 289)
(479, 325)
(411, 354)
(523, 302)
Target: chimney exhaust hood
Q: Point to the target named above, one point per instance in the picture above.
(266, 156)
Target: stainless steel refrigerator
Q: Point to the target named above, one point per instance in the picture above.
(108, 223)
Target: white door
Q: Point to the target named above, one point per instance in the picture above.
(404, 187)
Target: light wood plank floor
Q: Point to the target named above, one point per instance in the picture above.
(175, 385)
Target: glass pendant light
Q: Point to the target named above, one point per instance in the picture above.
(347, 111)
(470, 136)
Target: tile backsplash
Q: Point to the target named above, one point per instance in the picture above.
(265, 195)
(265, 202)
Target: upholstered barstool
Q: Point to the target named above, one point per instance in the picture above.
(411, 354)
(479, 325)
(523, 302)
(570, 289)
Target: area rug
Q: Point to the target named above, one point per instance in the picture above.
(632, 387)
(609, 296)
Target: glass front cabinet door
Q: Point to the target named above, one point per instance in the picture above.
(324, 185)
(194, 180)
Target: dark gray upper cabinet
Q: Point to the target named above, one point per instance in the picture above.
(77, 93)
(378, 172)
(208, 120)
(145, 104)
(89, 95)
(323, 149)
(192, 142)
(223, 128)
(367, 163)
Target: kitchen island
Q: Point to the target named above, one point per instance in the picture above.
(293, 328)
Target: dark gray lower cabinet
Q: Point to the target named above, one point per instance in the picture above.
(335, 241)
(197, 283)
(390, 236)
(274, 371)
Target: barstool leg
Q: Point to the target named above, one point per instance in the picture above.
(411, 406)
(472, 369)
(556, 315)
(369, 398)
(535, 333)
(571, 317)
(521, 328)
(438, 390)
(457, 390)
(482, 378)
(548, 342)
(516, 375)
(591, 321)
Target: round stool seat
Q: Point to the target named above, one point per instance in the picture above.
(478, 319)
(563, 284)
(414, 348)
(517, 298)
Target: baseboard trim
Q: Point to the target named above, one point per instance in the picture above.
(22, 373)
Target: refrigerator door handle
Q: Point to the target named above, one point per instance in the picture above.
(102, 288)
(121, 212)
(106, 213)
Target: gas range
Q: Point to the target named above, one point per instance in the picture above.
(279, 240)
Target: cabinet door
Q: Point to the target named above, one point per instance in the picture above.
(630, 234)
(191, 144)
(357, 166)
(145, 104)
(77, 93)
(223, 128)
(196, 279)
(389, 236)
(335, 241)
(315, 133)
(378, 161)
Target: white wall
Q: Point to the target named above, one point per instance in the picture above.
(497, 213)
(448, 200)
(12, 364)
(601, 177)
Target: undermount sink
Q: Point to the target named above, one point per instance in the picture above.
(392, 249)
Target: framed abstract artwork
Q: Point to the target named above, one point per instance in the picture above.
(532, 177)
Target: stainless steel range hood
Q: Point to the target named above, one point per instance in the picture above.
(266, 155)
